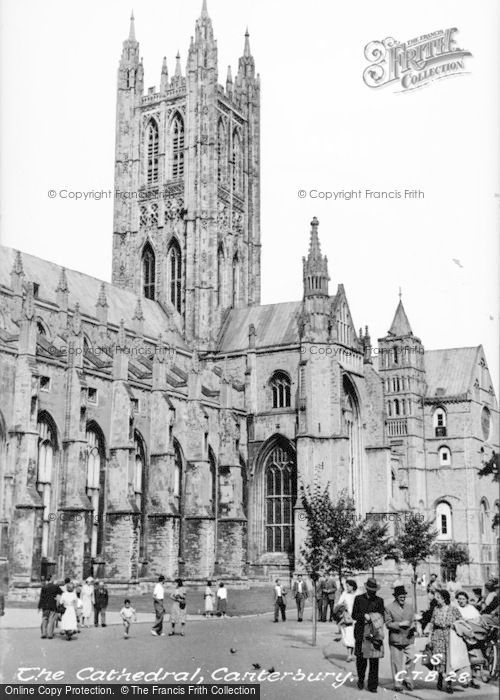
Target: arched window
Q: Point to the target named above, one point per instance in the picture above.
(95, 488)
(281, 492)
(47, 446)
(221, 152)
(443, 521)
(484, 520)
(237, 163)
(486, 423)
(220, 276)
(152, 150)
(40, 328)
(177, 147)
(213, 481)
(389, 408)
(396, 407)
(439, 422)
(444, 456)
(148, 271)
(174, 259)
(236, 280)
(140, 477)
(395, 355)
(281, 390)
(177, 480)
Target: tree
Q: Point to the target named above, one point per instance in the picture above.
(344, 542)
(490, 468)
(416, 542)
(317, 506)
(453, 555)
(373, 546)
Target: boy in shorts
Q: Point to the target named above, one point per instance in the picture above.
(128, 616)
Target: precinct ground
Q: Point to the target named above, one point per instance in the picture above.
(207, 645)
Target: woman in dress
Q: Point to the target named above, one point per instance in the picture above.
(69, 600)
(178, 611)
(346, 623)
(209, 600)
(470, 614)
(87, 598)
(443, 617)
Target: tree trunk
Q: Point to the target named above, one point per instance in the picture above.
(373, 572)
(415, 589)
(315, 615)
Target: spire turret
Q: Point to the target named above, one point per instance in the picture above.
(131, 34)
(129, 61)
(400, 326)
(164, 75)
(315, 266)
(246, 64)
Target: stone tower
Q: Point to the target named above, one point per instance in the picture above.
(187, 178)
(401, 366)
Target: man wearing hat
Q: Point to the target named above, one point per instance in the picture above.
(364, 605)
(399, 619)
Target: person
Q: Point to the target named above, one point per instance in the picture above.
(443, 617)
(158, 597)
(453, 585)
(329, 591)
(87, 598)
(68, 620)
(127, 613)
(47, 603)
(279, 601)
(423, 581)
(346, 623)
(221, 600)
(399, 620)
(491, 600)
(300, 594)
(101, 599)
(365, 605)
(79, 604)
(433, 583)
(320, 598)
(477, 600)
(178, 610)
(470, 614)
(209, 600)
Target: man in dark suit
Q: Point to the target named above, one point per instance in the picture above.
(300, 593)
(48, 605)
(365, 604)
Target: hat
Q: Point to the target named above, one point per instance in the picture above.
(89, 579)
(372, 585)
(399, 590)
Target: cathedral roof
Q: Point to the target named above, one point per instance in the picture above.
(450, 372)
(275, 324)
(86, 290)
(400, 324)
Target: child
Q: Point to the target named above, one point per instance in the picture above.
(128, 616)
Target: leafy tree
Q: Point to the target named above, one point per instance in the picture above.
(373, 546)
(490, 468)
(453, 555)
(416, 542)
(345, 537)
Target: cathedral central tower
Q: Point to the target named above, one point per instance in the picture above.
(187, 185)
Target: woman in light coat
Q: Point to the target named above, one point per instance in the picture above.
(69, 600)
(87, 598)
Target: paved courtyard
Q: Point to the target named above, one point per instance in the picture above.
(216, 650)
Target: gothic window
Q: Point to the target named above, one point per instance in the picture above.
(95, 488)
(152, 151)
(177, 481)
(395, 355)
(444, 456)
(174, 259)
(220, 276)
(281, 390)
(213, 481)
(350, 414)
(221, 152)
(486, 423)
(396, 407)
(47, 446)
(443, 521)
(40, 328)
(484, 520)
(439, 422)
(237, 163)
(148, 271)
(281, 492)
(236, 281)
(177, 147)
(389, 408)
(140, 476)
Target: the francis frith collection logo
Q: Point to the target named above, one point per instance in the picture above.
(415, 63)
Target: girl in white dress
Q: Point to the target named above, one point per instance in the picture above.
(69, 599)
(346, 623)
(209, 600)
(87, 598)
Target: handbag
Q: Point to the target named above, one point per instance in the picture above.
(426, 658)
(60, 609)
(182, 604)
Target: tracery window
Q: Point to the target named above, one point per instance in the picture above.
(177, 147)
(281, 390)
(152, 151)
(148, 272)
(174, 259)
(281, 491)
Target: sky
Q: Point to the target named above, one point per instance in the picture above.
(322, 129)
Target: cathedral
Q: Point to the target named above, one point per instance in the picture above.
(163, 422)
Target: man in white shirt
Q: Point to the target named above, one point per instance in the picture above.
(158, 596)
(300, 593)
(279, 601)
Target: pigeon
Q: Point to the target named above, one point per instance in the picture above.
(256, 666)
(457, 262)
(270, 670)
(232, 650)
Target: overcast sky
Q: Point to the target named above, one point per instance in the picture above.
(322, 128)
